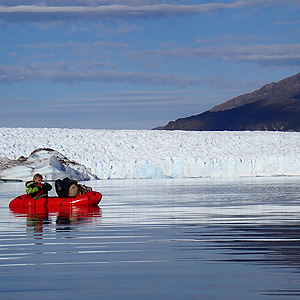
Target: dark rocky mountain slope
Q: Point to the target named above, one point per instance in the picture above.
(275, 106)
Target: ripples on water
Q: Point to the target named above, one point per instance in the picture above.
(157, 239)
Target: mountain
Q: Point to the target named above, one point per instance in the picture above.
(275, 106)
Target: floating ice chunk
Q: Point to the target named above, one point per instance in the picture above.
(50, 163)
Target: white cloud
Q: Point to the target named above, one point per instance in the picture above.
(113, 45)
(288, 53)
(121, 9)
(134, 98)
(82, 72)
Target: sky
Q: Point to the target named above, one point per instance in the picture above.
(138, 64)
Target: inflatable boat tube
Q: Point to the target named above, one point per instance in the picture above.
(76, 213)
(87, 199)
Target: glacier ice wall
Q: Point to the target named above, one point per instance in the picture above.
(118, 154)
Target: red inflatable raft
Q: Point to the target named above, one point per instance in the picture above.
(78, 214)
(87, 199)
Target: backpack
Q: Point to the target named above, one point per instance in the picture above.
(70, 188)
(62, 186)
(82, 189)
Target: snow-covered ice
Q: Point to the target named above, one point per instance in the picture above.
(48, 162)
(119, 154)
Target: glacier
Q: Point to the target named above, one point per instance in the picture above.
(133, 154)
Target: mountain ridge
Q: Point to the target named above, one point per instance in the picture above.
(275, 106)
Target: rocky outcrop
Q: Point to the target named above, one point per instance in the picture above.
(285, 89)
(275, 107)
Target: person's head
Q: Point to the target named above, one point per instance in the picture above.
(37, 178)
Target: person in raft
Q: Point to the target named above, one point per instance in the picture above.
(36, 189)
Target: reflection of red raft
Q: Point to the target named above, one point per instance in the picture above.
(38, 216)
(44, 210)
(87, 199)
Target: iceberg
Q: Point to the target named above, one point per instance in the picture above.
(133, 154)
(48, 162)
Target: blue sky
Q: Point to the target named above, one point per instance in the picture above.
(118, 64)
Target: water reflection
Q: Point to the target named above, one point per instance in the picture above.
(265, 244)
(187, 239)
(64, 218)
(274, 246)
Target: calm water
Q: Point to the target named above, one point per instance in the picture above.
(158, 239)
